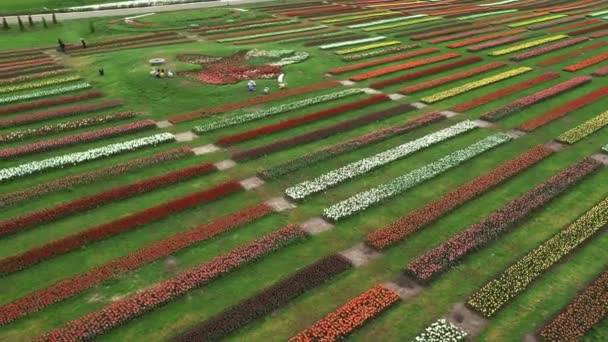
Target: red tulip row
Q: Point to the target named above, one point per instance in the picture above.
(51, 102)
(601, 71)
(30, 70)
(352, 315)
(69, 140)
(132, 45)
(69, 287)
(267, 300)
(450, 252)
(451, 78)
(365, 20)
(549, 48)
(588, 308)
(11, 198)
(572, 54)
(588, 29)
(476, 102)
(573, 26)
(112, 195)
(435, 33)
(527, 101)
(36, 55)
(599, 34)
(563, 109)
(476, 40)
(125, 223)
(127, 39)
(415, 221)
(287, 124)
(380, 61)
(425, 72)
(321, 133)
(253, 101)
(464, 34)
(26, 65)
(33, 77)
(126, 309)
(496, 42)
(404, 66)
(40, 61)
(555, 22)
(586, 63)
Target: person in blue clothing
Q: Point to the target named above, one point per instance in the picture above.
(251, 85)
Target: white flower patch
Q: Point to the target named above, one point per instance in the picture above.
(386, 21)
(351, 42)
(295, 58)
(79, 157)
(400, 184)
(42, 93)
(365, 165)
(441, 331)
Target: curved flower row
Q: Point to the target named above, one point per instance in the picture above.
(379, 61)
(442, 331)
(11, 198)
(474, 85)
(297, 57)
(404, 66)
(350, 145)
(549, 48)
(126, 309)
(443, 30)
(237, 24)
(271, 34)
(367, 47)
(81, 157)
(499, 291)
(496, 42)
(365, 199)
(131, 45)
(452, 77)
(586, 63)
(51, 102)
(398, 230)
(379, 52)
(351, 42)
(344, 320)
(26, 64)
(68, 287)
(267, 300)
(583, 130)
(527, 45)
(32, 77)
(43, 93)
(365, 165)
(251, 26)
(450, 252)
(527, 101)
(38, 84)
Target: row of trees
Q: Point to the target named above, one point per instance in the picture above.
(30, 20)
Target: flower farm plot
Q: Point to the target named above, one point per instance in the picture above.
(585, 129)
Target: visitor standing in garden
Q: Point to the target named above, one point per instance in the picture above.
(61, 45)
(281, 81)
(83, 42)
(251, 85)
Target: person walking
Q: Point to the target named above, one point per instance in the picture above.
(83, 42)
(61, 45)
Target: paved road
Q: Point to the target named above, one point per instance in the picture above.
(138, 10)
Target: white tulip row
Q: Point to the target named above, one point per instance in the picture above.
(351, 42)
(362, 166)
(441, 331)
(80, 157)
(42, 93)
(386, 21)
(365, 199)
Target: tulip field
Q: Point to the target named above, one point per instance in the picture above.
(431, 170)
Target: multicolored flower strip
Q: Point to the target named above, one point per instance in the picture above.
(537, 20)
(365, 165)
(124, 310)
(380, 52)
(366, 199)
(81, 157)
(31, 70)
(452, 78)
(51, 102)
(527, 101)
(367, 47)
(476, 40)
(450, 252)
(474, 85)
(585, 129)
(527, 45)
(267, 300)
(442, 331)
(42, 93)
(38, 84)
(464, 34)
(69, 287)
(32, 77)
(587, 309)
(271, 34)
(237, 119)
(549, 48)
(499, 291)
(422, 217)
(587, 63)
(496, 42)
(350, 145)
(551, 23)
(352, 315)
(404, 66)
(351, 42)
(380, 61)
(397, 25)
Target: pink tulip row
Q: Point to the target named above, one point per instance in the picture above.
(549, 48)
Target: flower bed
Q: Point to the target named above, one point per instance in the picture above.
(452, 78)
(385, 21)
(27, 62)
(527, 101)
(351, 42)
(397, 25)
(31, 70)
(319, 134)
(122, 224)
(355, 17)
(587, 63)
(80, 157)
(267, 300)
(272, 33)
(527, 45)
(476, 40)
(463, 107)
(601, 72)
(537, 20)
(218, 28)
(51, 102)
(587, 309)
(499, 291)
(420, 218)
(307, 13)
(33, 77)
(67, 182)
(301, 120)
(367, 47)
(588, 29)
(380, 52)
(42, 93)
(27, 65)
(574, 25)
(126, 309)
(583, 130)
(365, 165)
(441, 331)
(474, 85)
(131, 45)
(344, 36)
(555, 22)
(434, 33)
(464, 34)
(365, 199)
(599, 34)
(352, 315)
(363, 65)
(563, 109)
(404, 66)
(496, 42)
(448, 253)
(69, 287)
(549, 48)
(250, 26)
(38, 84)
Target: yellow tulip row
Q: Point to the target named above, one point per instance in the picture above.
(584, 129)
(527, 45)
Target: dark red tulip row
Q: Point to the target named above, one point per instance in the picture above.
(131, 44)
(539, 96)
(112, 195)
(59, 113)
(452, 78)
(126, 309)
(30, 70)
(588, 308)
(464, 34)
(422, 217)
(487, 98)
(403, 66)
(22, 58)
(446, 31)
(352, 315)
(128, 39)
(125, 223)
(563, 109)
(573, 26)
(321, 133)
(549, 48)
(496, 42)
(51, 102)
(40, 61)
(555, 22)
(69, 287)
(27, 65)
(302, 120)
(571, 54)
(350, 145)
(476, 40)
(588, 29)
(450, 252)
(11, 198)
(380, 61)
(267, 300)
(431, 28)
(587, 63)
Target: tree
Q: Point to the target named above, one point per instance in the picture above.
(30, 20)
(44, 24)
(54, 19)
(5, 24)
(21, 27)
(91, 27)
